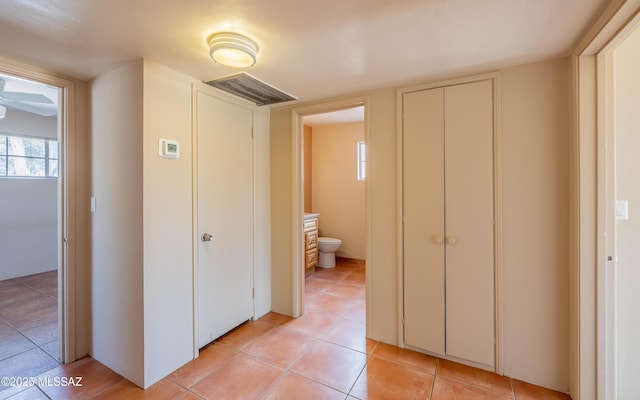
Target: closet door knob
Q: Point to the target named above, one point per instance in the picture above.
(451, 240)
(438, 239)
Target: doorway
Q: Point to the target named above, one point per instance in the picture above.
(36, 160)
(350, 111)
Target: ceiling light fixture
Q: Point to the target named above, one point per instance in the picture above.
(3, 111)
(232, 49)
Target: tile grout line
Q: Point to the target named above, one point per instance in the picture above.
(288, 369)
(32, 342)
(435, 375)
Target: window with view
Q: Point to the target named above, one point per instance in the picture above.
(24, 156)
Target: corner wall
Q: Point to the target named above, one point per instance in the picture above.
(117, 225)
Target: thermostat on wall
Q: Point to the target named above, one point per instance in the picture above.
(169, 148)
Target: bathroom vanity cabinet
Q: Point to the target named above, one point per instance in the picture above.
(310, 242)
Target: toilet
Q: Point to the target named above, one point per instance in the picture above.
(327, 248)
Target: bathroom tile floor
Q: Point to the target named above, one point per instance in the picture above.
(322, 355)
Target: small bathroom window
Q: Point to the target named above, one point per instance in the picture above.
(362, 161)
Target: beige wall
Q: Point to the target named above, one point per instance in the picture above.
(308, 170)
(281, 165)
(535, 124)
(627, 176)
(117, 225)
(80, 230)
(338, 196)
(167, 227)
(535, 127)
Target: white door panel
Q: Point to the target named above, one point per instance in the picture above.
(423, 172)
(469, 222)
(225, 211)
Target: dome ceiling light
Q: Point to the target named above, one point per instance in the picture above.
(232, 49)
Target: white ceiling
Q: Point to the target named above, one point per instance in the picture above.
(311, 49)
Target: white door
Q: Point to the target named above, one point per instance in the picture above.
(448, 221)
(623, 233)
(469, 221)
(423, 181)
(224, 216)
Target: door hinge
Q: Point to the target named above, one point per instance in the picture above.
(253, 293)
(252, 132)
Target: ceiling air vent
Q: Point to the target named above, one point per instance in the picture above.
(251, 88)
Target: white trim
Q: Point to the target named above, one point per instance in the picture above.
(66, 213)
(606, 374)
(497, 231)
(399, 219)
(448, 82)
(194, 218)
(297, 256)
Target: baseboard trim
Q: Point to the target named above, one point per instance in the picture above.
(350, 260)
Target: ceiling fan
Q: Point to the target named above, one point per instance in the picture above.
(35, 103)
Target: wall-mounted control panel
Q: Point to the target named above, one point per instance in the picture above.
(169, 148)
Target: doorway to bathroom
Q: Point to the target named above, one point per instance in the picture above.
(331, 142)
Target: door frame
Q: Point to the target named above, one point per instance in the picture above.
(497, 206)
(297, 262)
(66, 203)
(592, 278)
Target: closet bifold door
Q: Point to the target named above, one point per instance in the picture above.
(423, 205)
(469, 271)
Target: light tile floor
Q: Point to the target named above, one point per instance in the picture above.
(322, 355)
(29, 334)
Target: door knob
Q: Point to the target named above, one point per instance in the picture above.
(451, 240)
(206, 237)
(438, 239)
